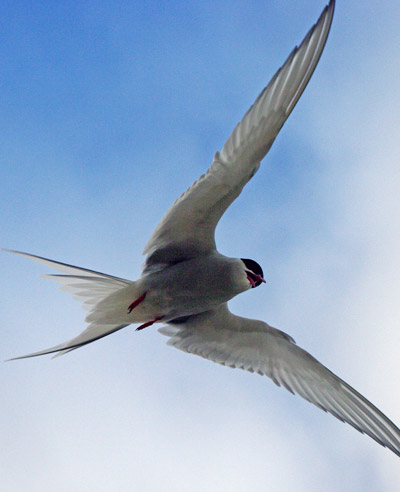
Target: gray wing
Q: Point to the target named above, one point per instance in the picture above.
(187, 229)
(254, 346)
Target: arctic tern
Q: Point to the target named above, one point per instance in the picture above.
(186, 283)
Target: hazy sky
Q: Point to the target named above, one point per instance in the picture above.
(109, 111)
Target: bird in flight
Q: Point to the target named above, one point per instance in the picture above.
(186, 283)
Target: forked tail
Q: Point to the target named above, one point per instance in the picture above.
(89, 287)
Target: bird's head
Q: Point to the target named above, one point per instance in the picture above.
(253, 272)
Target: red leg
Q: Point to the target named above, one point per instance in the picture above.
(149, 323)
(136, 302)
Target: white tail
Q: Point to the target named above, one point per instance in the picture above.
(91, 288)
(88, 286)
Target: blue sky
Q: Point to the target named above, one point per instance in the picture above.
(109, 111)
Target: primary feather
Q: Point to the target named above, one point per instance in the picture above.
(254, 346)
(188, 227)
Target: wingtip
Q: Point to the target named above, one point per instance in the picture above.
(331, 6)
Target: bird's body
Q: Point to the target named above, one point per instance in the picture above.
(186, 283)
(182, 289)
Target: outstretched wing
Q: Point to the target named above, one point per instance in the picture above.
(187, 229)
(254, 346)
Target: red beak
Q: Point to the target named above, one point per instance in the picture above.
(253, 278)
